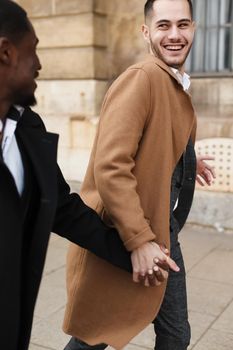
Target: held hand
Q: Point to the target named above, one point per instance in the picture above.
(151, 264)
(205, 172)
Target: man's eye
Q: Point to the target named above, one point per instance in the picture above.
(183, 25)
(163, 26)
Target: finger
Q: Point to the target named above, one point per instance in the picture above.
(208, 178)
(206, 157)
(167, 262)
(158, 274)
(163, 265)
(141, 278)
(211, 170)
(172, 265)
(136, 276)
(200, 182)
(151, 278)
(205, 177)
(146, 282)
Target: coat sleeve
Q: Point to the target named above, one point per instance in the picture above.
(124, 118)
(80, 224)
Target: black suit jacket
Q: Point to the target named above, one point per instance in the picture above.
(58, 211)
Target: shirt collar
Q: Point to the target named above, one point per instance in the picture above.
(20, 109)
(1, 125)
(183, 79)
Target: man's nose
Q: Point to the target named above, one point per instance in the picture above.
(174, 33)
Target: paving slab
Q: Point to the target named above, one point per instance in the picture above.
(225, 321)
(36, 347)
(213, 340)
(207, 297)
(135, 347)
(198, 242)
(200, 323)
(52, 295)
(48, 332)
(145, 339)
(215, 266)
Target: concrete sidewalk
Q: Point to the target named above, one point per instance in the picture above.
(209, 264)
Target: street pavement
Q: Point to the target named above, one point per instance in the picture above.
(209, 263)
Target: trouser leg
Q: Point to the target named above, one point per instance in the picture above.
(76, 344)
(171, 324)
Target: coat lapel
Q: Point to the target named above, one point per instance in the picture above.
(162, 65)
(41, 147)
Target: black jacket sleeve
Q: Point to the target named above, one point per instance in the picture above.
(80, 224)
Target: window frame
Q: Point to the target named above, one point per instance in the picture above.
(204, 29)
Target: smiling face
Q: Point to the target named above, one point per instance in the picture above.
(169, 31)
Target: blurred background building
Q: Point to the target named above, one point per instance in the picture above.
(85, 44)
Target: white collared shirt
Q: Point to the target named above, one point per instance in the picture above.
(185, 82)
(11, 154)
(183, 79)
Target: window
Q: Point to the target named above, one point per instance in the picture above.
(212, 50)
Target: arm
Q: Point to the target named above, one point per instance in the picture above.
(124, 118)
(81, 225)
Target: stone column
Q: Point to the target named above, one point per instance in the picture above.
(73, 80)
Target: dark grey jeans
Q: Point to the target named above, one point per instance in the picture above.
(171, 326)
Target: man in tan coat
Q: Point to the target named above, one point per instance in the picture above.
(140, 179)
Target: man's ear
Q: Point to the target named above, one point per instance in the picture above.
(6, 51)
(146, 33)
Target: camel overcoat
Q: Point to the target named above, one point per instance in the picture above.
(145, 124)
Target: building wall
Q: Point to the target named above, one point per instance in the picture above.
(213, 99)
(72, 83)
(84, 45)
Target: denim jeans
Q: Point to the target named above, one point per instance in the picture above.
(171, 325)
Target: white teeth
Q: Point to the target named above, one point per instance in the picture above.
(175, 48)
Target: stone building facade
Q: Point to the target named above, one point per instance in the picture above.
(84, 45)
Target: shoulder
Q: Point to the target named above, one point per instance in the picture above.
(32, 118)
(144, 73)
(150, 66)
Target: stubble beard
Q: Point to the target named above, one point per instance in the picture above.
(158, 54)
(25, 100)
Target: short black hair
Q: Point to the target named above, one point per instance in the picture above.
(149, 6)
(14, 22)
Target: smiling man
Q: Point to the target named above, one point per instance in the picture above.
(141, 179)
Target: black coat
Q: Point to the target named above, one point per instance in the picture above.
(58, 211)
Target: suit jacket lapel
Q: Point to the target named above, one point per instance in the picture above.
(41, 147)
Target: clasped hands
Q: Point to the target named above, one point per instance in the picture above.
(151, 264)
